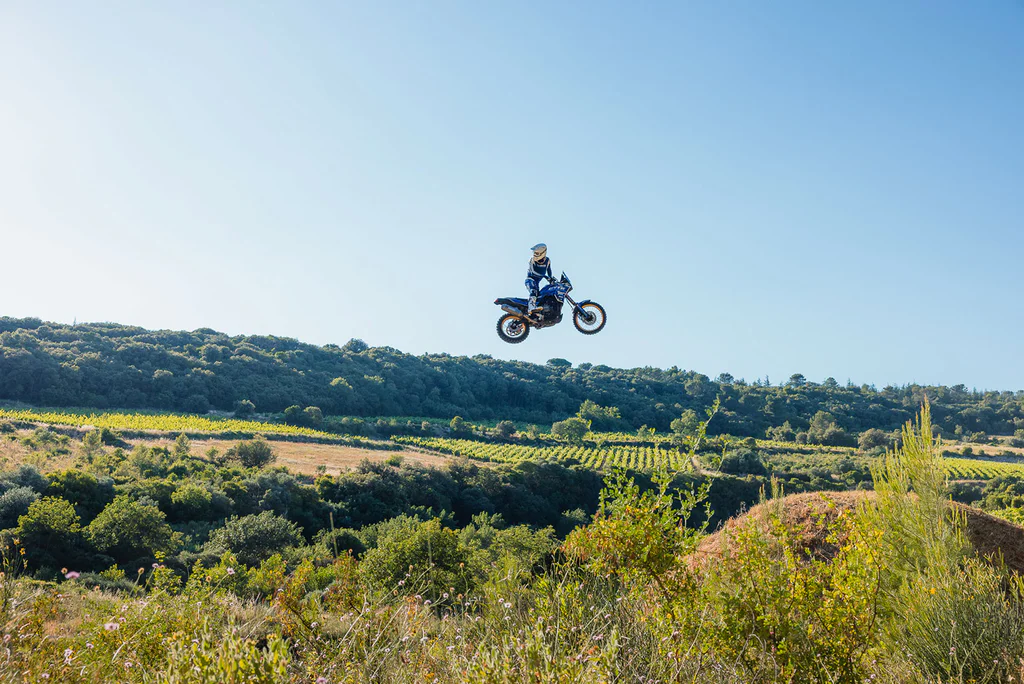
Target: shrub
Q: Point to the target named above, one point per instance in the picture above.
(254, 538)
(253, 453)
(312, 416)
(505, 429)
(743, 462)
(191, 502)
(88, 493)
(244, 408)
(426, 558)
(15, 503)
(128, 529)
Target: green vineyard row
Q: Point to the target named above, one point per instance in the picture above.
(635, 457)
(158, 421)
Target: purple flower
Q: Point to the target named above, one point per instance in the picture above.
(321, 680)
(72, 575)
(231, 571)
(111, 626)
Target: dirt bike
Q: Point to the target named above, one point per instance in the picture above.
(514, 326)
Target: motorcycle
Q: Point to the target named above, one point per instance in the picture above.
(514, 326)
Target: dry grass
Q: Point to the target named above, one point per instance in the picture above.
(303, 457)
(810, 517)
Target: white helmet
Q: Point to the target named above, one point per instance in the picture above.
(539, 251)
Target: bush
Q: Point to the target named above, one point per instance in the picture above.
(253, 453)
(191, 502)
(254, 538)
(313, 416)
(505, 429)
(426, 559)
(127, 529)
(244, 408)
(743, 462)
(15, 503)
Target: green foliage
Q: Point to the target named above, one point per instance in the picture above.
(15, 503)
(424, 555)
(244, 409)
(50, 533)
(457, 425)
(127, 530)
(743, 462)
(638, 536)
(254, 538)
(226, 659)
(571, 430)
(600, 417)
(253, 453)
(505, 429)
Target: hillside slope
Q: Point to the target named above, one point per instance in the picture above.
(110, 365)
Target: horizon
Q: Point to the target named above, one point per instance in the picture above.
(757, 190)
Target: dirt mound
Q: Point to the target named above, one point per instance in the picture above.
(811, 516)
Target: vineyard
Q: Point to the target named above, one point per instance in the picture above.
(634, 457)
(163, 422)
(972, 469)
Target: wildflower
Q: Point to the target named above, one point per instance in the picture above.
(321, 680)
(231, 571)
(156, 565)
(507, 606)
(111, 626)
(72, 575)
(444, 595)
(89, 645)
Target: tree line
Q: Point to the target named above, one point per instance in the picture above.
(107, 365)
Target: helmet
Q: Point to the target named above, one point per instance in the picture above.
(540, 250)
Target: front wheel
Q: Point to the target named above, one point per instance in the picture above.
(513, 329)
(591, 320)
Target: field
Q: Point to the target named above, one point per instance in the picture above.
(599, 458)
(159, 422)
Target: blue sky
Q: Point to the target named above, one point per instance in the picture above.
(835, 189)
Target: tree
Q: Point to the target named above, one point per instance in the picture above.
(313, 416)
(457, 425)
(253, 453)
(128, 529)
(796, 380)
(293, 415)
(505, 429)
(743, 462)
(872, 439)
(571, 429)
(244, 409)
(254, 538)
(725, 379)
(686, 424)
(92, 444)
(559, 363)
(355, 346)
(600, 417)
(182, 446)
(50, 532)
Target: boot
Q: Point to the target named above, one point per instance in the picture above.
(531, 306)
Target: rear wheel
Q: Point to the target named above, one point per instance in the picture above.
(513, 329)
(591, 320)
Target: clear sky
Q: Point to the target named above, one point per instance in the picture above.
(762, 188)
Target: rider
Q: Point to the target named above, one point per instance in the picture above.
(540, 267)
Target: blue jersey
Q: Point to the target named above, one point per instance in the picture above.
(539, 269)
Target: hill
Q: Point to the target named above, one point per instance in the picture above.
(102, 365)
